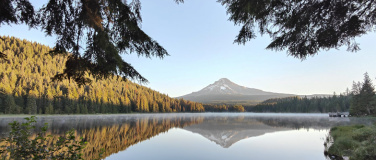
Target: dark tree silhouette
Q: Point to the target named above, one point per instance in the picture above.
(16, 12)
(94, 32)
(303, 27)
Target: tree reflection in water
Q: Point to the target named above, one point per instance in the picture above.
(116, 133)
(111, 133)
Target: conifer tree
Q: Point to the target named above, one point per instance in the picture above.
(49, 109)
(303, 28)
(31, 89)
(31, 105)
(10, 106)
(109, 28)
(363, 98)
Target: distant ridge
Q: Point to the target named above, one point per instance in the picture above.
(225, 90)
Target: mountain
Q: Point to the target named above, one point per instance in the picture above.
(225, 90)
(226, 132)
(26, 87)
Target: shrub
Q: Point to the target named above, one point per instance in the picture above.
(343, 146)
(20, 145)
(365, 152)
(357, 142)
(364, 134)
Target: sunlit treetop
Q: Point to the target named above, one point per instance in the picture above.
(16, 12)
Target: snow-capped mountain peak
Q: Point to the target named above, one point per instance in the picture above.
(221, 86)
(224, 86)
(224, 89)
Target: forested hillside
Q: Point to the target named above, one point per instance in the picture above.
(26, 87)
(296, 104)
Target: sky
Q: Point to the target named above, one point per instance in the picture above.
(199, 39)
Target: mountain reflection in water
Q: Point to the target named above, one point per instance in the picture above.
(116, 133)
(227, 130)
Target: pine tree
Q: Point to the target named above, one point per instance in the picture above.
(49, 109)
(31, 105)
(10, 106)
(109, 28)
(303, 28)
(32, 88)
(363, 98)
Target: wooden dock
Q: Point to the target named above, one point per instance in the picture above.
(339, 114)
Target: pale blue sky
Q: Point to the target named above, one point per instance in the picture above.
(199, 39)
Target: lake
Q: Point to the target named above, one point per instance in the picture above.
(208, 136)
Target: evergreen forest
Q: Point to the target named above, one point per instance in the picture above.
(223, 108)
(360, 101)
(335, 103)
(26, 87)
(364, 98)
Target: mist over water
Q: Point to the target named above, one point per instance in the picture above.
(197, 135)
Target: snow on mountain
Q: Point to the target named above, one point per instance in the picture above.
(219, 87)
(225, 86)
(225, 132)
(224, 89)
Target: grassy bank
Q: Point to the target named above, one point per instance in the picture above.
(357, 142)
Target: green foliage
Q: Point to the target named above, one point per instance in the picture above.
(105, 135)
(333, 103)
(364, 98)
(363, 133)
(303, 27)
(357, 142)
(21, 145)
(107, 27)
(31, 105)
(49, 109)
(343, 146)
(365, 152)
(25, 79)
(223, 108)
(10, 107)
(216, 108)
(236, 108)
(112, 27)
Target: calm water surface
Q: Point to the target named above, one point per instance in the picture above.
(205, 136)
